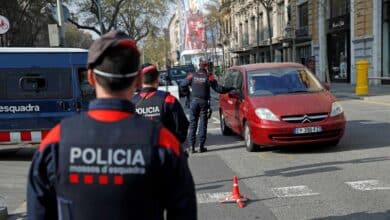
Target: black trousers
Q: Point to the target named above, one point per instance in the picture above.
(198, 113)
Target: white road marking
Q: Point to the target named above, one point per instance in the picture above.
(213, 129)
(211, 197)
(293, 191)
(367, 185)
(370, 122)
(21, 209)
(216, 120)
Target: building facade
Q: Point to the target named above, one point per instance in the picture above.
(355, 30)
(173, 32)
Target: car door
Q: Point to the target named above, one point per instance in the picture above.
(236, 100)
(225, 99)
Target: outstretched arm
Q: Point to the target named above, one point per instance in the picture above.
(187, 81)
(218, 88)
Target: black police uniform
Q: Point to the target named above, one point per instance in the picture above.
(162, 106)
(110, 163)
(200, 83)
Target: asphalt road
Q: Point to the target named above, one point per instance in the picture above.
(350, 181)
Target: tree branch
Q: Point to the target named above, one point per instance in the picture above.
(79, 26)
(115, 15)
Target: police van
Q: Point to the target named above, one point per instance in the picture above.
(39, 87)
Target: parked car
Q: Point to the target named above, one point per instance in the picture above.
(165, 84)
(278, 104)
(178, 73)
(163, 76)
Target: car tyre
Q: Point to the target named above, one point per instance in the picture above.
(249, 145)
(224, 128)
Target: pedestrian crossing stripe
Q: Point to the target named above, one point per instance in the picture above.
(368, 185)
(293, 191)
(296, 191)
(211, 197)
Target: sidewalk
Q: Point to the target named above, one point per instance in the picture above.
(380, 94)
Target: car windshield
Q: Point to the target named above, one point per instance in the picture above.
(282, 81)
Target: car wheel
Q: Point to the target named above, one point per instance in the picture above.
(249, 145)
(224, 128)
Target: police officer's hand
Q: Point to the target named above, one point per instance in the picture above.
(209, 113)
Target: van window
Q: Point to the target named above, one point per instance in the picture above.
(35, 83)
(87, 91)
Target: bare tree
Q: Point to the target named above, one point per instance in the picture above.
(28, 27)
(213, 21)
(137, 18)
(268, 6)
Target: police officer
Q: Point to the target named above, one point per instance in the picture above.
(109, 162)
(160, 105)
(201, 82)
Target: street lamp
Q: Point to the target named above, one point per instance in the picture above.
(60, 14)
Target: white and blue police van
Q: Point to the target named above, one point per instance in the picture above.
(39, 87)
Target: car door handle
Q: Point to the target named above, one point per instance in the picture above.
(230, 102)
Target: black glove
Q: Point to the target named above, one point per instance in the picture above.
(209, 112)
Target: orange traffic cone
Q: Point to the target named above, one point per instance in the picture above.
(235, 196)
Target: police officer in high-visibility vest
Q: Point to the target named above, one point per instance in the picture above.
(109, 162)
(200, 83)
(160, 105)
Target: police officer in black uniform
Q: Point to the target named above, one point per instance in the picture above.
(109, 162)
(160, 105)
(200, 83)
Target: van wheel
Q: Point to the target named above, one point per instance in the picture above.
(249, 145)
(224, 128)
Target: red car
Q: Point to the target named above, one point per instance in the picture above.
(278, 104)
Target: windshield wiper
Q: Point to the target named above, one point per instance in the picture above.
(298, 91)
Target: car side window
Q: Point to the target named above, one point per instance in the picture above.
(230, 78)
(238, 81)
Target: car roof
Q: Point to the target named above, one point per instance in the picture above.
(261, 66)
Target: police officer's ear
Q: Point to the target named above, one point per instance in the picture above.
(138, 80)
(91, 78)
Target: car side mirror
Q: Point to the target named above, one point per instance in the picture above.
(326, 86)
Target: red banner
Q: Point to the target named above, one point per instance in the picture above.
(195, 32)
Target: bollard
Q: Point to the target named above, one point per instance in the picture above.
(3, 209)
(361, 77)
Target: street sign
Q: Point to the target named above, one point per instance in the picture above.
(4, 25)
(54, 38)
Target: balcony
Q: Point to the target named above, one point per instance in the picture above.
(301, 32)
